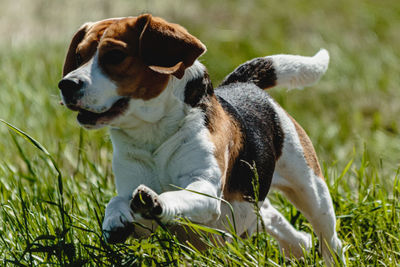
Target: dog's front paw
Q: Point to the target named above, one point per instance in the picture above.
(146, 202)
(117, 227)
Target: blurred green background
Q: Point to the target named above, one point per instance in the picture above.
(351, 115)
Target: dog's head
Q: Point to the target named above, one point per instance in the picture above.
(112, 62)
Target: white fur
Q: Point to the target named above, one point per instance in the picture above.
(150, 122)
(163, 142)
(118, 214)
(308, 192)
(99, 93)
(299, 71)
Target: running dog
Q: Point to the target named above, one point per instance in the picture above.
(180, 146)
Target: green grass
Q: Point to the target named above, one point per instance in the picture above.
(54, 218)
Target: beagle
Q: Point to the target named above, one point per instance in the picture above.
(180, 146)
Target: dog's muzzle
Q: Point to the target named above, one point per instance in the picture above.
(70, 88)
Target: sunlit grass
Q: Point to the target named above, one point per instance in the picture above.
(48, 218)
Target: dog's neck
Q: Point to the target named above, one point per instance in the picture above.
(168, 111)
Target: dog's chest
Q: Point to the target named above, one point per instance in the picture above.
(134, 166)
(184, 157)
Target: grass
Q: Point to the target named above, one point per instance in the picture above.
(51, 205)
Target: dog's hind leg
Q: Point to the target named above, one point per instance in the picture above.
(291, 241)
(299, 177)
(315, 203)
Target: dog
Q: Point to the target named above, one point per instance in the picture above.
(184, 149)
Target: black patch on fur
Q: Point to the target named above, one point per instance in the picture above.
(241, 97)
(263, 136)
(197, 89)
(258, 71)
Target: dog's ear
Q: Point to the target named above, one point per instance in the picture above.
(70, 62)
(167, 48)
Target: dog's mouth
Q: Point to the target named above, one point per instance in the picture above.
(89, 118)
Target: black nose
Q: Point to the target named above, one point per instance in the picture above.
(69, 86)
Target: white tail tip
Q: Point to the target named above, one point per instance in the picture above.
(298, 71)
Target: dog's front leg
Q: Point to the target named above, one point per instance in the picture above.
(197, 202)
(118, 220)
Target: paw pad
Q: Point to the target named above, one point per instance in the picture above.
(145, 201)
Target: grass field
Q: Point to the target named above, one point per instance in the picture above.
(51, 205)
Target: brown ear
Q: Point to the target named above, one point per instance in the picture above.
(70, 62)
(166, 47)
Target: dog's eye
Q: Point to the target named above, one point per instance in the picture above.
(114, 57)
(78, 59)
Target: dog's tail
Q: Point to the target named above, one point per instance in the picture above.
(291, 71)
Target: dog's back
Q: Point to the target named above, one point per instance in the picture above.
(253, 109)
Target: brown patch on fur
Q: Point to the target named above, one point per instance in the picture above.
(134, 78)
(168, 45)
(308, 149)
(153, 49)
(150, 50)
(84, 43)
(227, 138)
